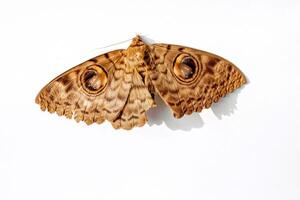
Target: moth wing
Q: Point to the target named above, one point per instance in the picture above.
(138, 102)
(91, 92)
(189, 80)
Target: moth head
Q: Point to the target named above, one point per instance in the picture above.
(93, 80)
(185, 67)
(138, 55)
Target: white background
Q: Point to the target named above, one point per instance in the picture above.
(247, 146)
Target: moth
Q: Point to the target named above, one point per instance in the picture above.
(119, 86)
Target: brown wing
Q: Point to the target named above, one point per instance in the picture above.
(92, 91)
(138, 102)
(189, 80)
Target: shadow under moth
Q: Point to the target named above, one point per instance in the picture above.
(119, 86)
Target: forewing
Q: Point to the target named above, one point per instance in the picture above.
(189, 80)
(138, 102)
(91, 92)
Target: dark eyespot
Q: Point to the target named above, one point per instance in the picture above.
(185, 67)
(94, 79)
(91, 80)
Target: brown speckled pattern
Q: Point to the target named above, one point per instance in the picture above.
(131, 77)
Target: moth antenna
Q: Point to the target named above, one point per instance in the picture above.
(113, 44)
